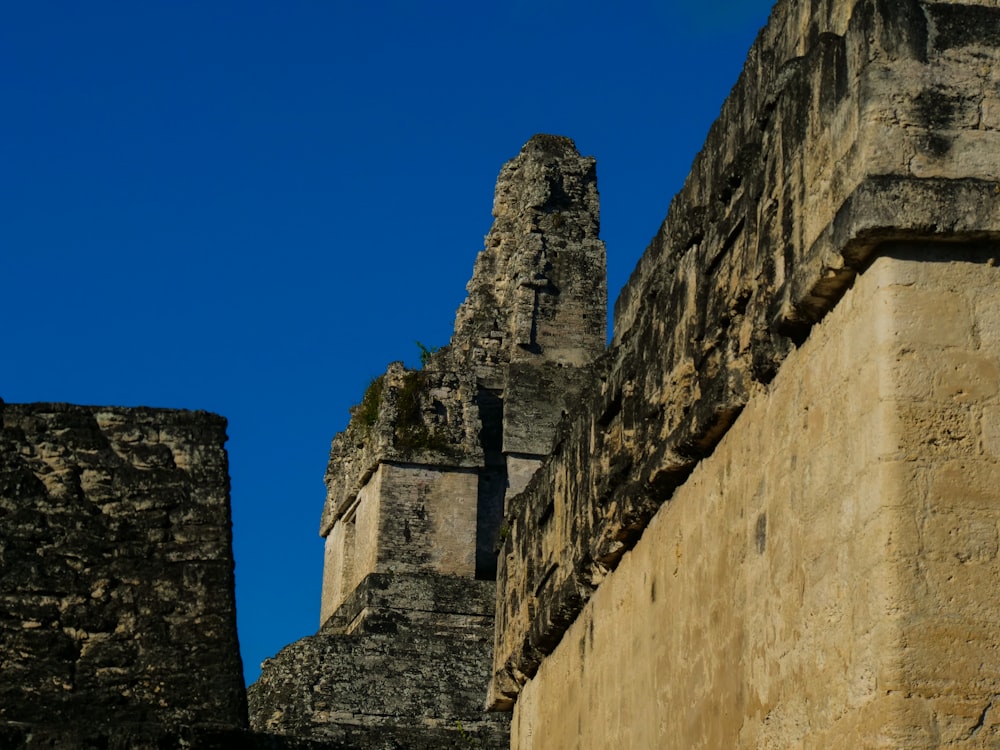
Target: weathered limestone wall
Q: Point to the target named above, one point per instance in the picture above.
(855, 124)
(827, 578)
(351, 548)
(407, 518)
(394, 683)
(427, 417)
(539, 286)
(432, 511)
(846, 110)
(118, 620)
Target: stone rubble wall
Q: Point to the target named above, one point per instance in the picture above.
(395, 602)
(378, 691)
(853, 124)
(118, 619)
(402, 663)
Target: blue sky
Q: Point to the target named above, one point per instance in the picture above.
(253, 207)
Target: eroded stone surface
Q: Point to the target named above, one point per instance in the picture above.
(853, 125)
(116, 575)
(403, 663)
(827, 578)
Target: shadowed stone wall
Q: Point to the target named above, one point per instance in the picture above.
(118, 622)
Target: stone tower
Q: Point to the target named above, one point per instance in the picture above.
(417, 482)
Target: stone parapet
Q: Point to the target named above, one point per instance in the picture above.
(853, 125)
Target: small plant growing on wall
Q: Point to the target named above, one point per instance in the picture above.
(426, 352)
(408, 400)
(371, 402)
(412, 432)
(469, 740)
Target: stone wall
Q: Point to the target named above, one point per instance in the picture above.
(428, 513)
(827, 578)
(403, 663)
(854, 124)
(118, 622)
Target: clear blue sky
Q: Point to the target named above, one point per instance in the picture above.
(252, 207)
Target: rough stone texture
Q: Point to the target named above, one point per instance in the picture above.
(407, 518)
(853, 124)
(827, 578)
(485, 407)
(391, 602)
(404, 663)
(424, 416)
(538, 292)
(381, 691)
(149, 738)
(118, 623)
(416, 484)
(534, 317)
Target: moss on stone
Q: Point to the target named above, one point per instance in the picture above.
(371, 402)
(412, 432)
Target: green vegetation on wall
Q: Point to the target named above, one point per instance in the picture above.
(412, 432)
(426, 352)
(371, 402)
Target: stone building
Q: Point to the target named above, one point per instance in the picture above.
(417, 483)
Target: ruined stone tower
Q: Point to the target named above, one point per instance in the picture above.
(416, 483)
